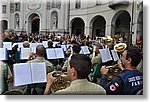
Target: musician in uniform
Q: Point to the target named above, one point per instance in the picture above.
(130, 81)
(39, 57)
(38, 88)
(5, 74)
(75, 49)
(96, 63)
(79, 68)
(96, 59)
(5, 77)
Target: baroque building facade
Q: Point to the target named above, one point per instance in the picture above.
(94, 18)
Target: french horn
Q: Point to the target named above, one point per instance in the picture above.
(61, 82)
(120, 47)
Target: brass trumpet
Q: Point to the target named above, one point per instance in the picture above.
(61, 82)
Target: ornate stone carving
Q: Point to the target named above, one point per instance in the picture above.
(34, 5)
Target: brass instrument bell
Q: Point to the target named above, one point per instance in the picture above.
(120, 47)
(106, 39)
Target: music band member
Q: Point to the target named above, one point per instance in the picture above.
(79, 68)
(130, 81)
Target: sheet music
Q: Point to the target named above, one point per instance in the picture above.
(20, 45)
(55, 53)
(50, 53)
(45, 43)
(81, 52)
(38, 72)
(34, 45)
(14, 44)
(105, 53)
(24, 53)
(59, 53)
(84, 50)
(38, 44)
(29, 73)
(115, 55)
(22, 74)
(7, 45)
(69, 45)
(33, 49)
(3, 52)
(64, 47)
(54, 44)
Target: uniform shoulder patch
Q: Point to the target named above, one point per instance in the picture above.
(112, 87)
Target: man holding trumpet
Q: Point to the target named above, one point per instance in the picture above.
(130, 81)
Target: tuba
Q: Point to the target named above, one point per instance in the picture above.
(61, 82)
(120, 47)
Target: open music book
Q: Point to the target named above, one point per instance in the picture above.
(65, 47)
(105, 54)
(45, 44)
(84, 50)
(115, 55)
(29, 73)
(34, 45)
(25, 52)
(4, 54)
(55, 53)
(7, 45)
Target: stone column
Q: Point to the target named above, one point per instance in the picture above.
(108, 30)
(70, 32)
(135, 33)
(28, 26)
(87, 31)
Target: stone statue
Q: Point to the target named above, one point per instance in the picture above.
(17, 22)
(55, 21)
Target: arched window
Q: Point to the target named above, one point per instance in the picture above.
(98, 24)
(54, 19)
(3, 25)
(77, 26)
